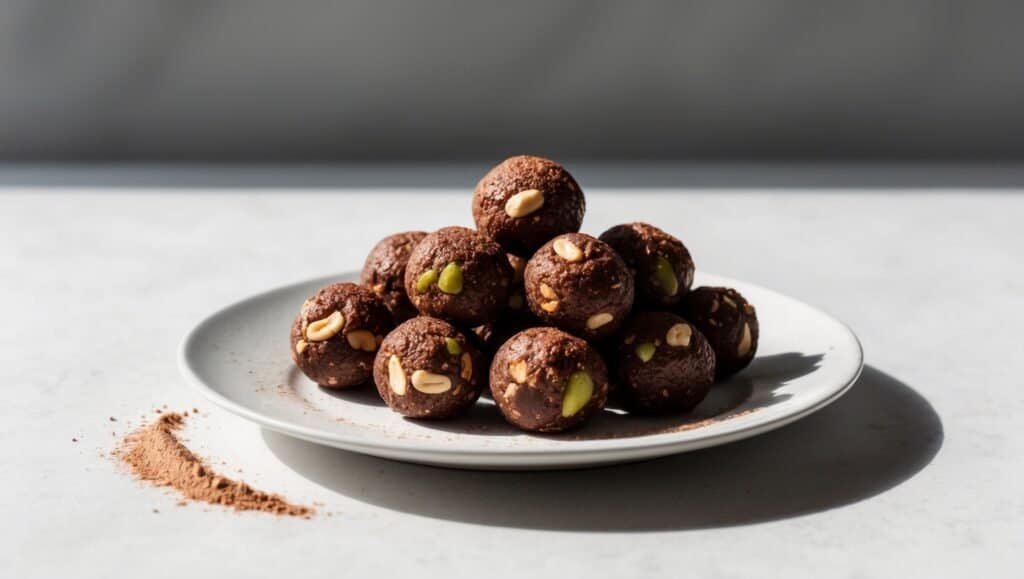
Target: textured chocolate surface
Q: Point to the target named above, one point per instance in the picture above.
(721, 314)
(384, 272)
(486, 276)
(422, 343)
(530, 372)
(568, 294)
(562, 211)
(640, 245)
(333, 362)
(673, 378)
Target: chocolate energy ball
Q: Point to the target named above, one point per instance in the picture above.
(579, 284)
(525, 201)
(458, 275)
(544, 380)
(384, 272)
(728, 321)
(336, 334)
(664, 364)
(426, 368)
(661, 264)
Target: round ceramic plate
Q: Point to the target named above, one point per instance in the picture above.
(238, 357)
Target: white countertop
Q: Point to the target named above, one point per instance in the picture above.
(916, 472)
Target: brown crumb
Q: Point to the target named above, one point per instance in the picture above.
(74, 440)
(112, 419)
(154, 454)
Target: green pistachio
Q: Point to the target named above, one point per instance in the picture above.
(664, 276)
(645, 351)
(426, 280)
(453, 346)
(450, 281)
(577, 393)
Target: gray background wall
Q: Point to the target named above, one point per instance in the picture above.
(386, 79)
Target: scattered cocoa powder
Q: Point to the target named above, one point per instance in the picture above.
(154, 453)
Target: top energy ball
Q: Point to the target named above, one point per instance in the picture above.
(525, 201)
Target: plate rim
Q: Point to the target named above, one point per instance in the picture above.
(650, 445)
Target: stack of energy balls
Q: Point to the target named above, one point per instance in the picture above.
(552, 320)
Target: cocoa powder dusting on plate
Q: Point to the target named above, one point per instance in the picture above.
(155, 454)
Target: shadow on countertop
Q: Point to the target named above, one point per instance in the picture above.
(878, 435)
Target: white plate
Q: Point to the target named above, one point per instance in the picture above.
(238, 357)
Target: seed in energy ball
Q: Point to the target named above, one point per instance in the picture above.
(335, 336)
(663, 364)
(579, 284)
(728, 321)
(545, 380)
(661, 264)
(384, 272)
(458, 275)
(426, 368)
(525, 201)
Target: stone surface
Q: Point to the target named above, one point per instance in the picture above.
(915, 471)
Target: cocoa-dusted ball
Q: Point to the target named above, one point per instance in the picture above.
(426, 368)
(728, 321)
(661, 264)
(458, 275)
(384, 272)
(579, 284)
(664, 364)
(525, 201)
(545, 380)
(335, 335)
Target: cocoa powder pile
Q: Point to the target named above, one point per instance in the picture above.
(155, 454)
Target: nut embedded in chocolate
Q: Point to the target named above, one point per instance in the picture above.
(589, 295)
(663, 364)
(525, 201)
(728, 321)
(334, 337)
(660, 263)
(426, 368)
(384, 272)
(545, 380)
(458, 275)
